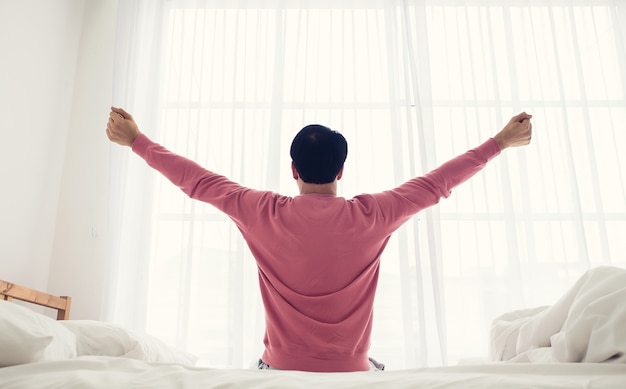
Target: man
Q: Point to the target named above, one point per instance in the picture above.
(317, 254)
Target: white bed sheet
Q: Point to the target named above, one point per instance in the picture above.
(108, 372)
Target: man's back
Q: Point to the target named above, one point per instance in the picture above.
(318, 257)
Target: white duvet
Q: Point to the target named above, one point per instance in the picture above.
(109, 372)
(587, 324)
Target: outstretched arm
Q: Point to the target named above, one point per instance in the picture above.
(401, 203)
(236, 201)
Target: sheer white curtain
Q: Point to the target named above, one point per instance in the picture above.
(410, 84)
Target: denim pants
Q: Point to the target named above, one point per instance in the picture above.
(374, 365)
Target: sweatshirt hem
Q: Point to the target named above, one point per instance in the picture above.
(297, 360)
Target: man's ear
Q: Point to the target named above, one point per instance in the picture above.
(340, 174)
(294, 171)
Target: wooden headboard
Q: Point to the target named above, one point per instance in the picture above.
(9, 291)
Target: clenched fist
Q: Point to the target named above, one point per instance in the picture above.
(517, 132)
(121, 127)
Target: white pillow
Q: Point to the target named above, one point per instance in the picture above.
(107, 339)
(27, 336)
(149, 348)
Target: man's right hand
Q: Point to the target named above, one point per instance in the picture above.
(517, 132)
(121, 127)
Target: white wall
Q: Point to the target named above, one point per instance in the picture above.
(80, 242)
(56, 72)
(39, 45)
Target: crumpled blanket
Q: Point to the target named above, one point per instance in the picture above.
(587, 324)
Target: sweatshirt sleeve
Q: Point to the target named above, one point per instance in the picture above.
(402, 202)
(237, 201)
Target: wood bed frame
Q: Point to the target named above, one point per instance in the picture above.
(61, 304)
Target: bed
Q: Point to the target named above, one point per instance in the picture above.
(37, 351)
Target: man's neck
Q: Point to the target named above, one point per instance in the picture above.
(306, 188)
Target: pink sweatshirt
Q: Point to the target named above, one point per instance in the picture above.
(318, 255)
